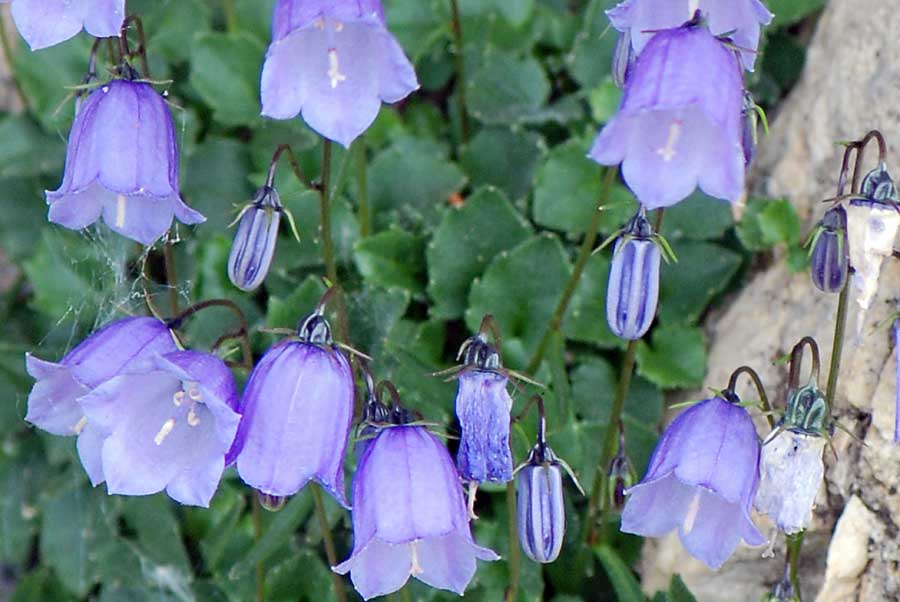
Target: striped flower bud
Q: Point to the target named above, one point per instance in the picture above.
(623, 59)
(541, 511)
(254, 243)
(633, 289)
(829, 256)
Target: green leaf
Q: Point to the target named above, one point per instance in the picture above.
(456, 255)
(300, 578)
(604, 100)
(585, 320)
(676, 357)
(788, 12)
(225, 70)
(521, 288)
(767, 223)
(507, 88)
(44, 76)
(698, 217)
(158, 533)
(679, 592)
(214, 182)
(372, 314)
(41, 585)
(627, 587)
(591, 56)
(412, 180)
(287, 312)
(514, 155)
(419, 26)
(171, 26)
(393, 257)
(567, 191)
(27, 151)
(687, 287)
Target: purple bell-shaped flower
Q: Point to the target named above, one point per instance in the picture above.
(53, 402)
(165, 423)
(122, 163)
(702, 479)
(632, 293)
(483, 405)
(254, 242)
(296, 411)
(409, 517)
(334, 62)
(739, 19)
(680, 121)
(830, 257)
(45, 23)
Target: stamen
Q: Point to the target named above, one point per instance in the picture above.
(319, 24)
(473, 489)
(338, 26)
(334, 72)
(691, 517)
(668, 151)
(178, 398)
(164, 431)
(120, 211)
(192, 418)
(79, 426)
(415, 569)
(693, 5)
(194, 393)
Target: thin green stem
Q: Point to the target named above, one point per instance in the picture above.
(515, 555)
(608, 450)
(328, 255)
(584, 254)
(460, 72)
(794, 544)
(231, 22)
(10, 62)
(362, 186)
(328, 540)
(837, 347)
(257, 536)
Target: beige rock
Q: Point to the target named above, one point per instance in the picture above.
(850, 85)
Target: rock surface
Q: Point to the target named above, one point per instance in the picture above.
(851, 84)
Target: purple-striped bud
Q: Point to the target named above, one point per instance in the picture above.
(830, 256)
(623, 58)
(254, 242)
(541, 511)
(633, 289)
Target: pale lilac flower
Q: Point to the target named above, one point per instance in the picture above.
(122, 163)
(741, 19)
(45, 23)
(791, 473)
(165, 424)
(680, 123)
(409, 517)
(52, 403)
(702, 479)
(297, 410)
(483, 405)
(334, 62)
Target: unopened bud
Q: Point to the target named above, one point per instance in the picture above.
(830, 256)
(254, 242)
(633, 290)
(541, 511)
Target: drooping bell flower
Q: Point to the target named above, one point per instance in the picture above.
(254, 242)
(829, 257)
(632, 292)
(334, 62)
(680, 121)
(541, 513)
(53, 402)
(409, 517)
(872, 222)
(741, 20)
(702, 478)
(296, 411)
(45, 23)
(166, 423)
(483, 408)
(791, 466)
(122, 163)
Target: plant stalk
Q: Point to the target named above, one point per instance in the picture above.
(460, 72)
(362, 186)
(328, 540)
(515, 555)
(257, 536)
(328, 255)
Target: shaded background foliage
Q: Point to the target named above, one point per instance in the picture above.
(460, 228)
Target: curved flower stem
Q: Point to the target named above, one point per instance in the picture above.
(362, 186)
(794, 544)
(330, 551)
(591, 534)
(760, 389)
(327, 242)
(295, 167)
(242, 334)
(257, 536)
(837, 347)
(460, 72)
(515, 556)
(584, 254)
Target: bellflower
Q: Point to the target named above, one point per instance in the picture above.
(165, 424)
(297, 408)
(122, 163)
(45, 23)
(740, 19)
(633, 288)
(702, 478)
(483, 405)
(409, 517)
(52, 403)
(680, 122)
(829, 258)
(254, 242)
(334, 62)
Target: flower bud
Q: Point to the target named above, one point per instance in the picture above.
(633, 289)
(541, 512)
(623, 58)
(830, 256)
(254, 243)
